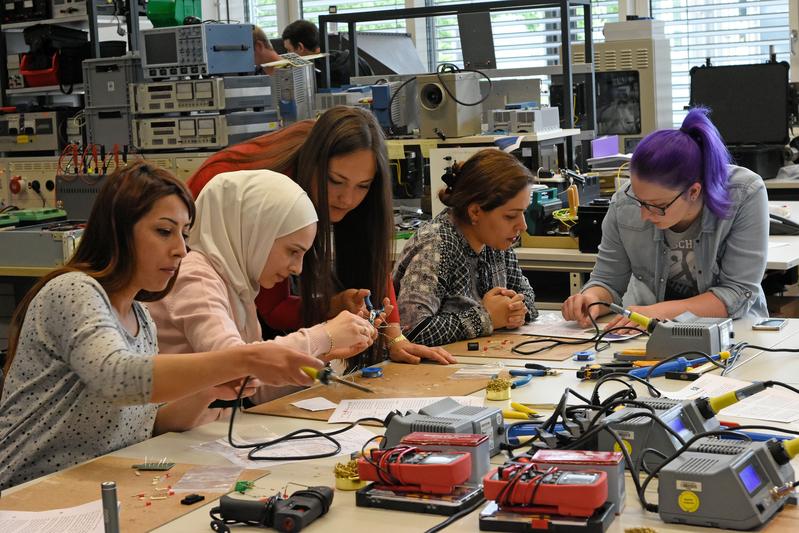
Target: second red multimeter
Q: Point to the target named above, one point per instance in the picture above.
(407, 468)
(530, 488)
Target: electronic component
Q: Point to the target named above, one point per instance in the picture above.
(290, 514)
(67, 8)
(726, 484)
(191, 499)
(476, 445)
(538, 216)
(708, 335)
(611, 463)
(215, 94)
(15, 80)
(447, 416)
(500, 121)
(23, 10)
(44, 245)
(639, 433)
(201, 131)
(38, 131)
(109, 126)
(527, 487)
(197, 50)
(294, 89)
(440, 113)
(106, 80)
(76, 193)
(403, 116)
(409, 469)
(686, 333)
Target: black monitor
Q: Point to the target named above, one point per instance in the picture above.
(749, 104)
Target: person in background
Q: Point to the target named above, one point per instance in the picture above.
(252, 230)
(458, 277)
(340, 161)
(688, 233)
(264, 52)
(83, 374)
(302, 38)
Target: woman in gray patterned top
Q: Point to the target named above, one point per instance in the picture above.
(82, 377)
(458, 277)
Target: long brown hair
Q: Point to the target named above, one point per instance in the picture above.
(490, 178)
(362, 239)
(275, 151)
(106, 251)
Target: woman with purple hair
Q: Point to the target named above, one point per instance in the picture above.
(688, 233)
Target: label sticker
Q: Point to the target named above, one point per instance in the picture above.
(695, 486)
(627, 445)
(688, 501)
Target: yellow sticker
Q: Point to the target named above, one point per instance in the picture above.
(688, 501)
(617, 448)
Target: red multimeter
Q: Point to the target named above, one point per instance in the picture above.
(529, 488)
(409, 469)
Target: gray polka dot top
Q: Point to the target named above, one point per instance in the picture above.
(79, 385)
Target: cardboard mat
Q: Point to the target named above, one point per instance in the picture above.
(499, 346)
(81, 485)
(398, 381)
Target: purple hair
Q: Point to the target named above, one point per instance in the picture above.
(677, 158)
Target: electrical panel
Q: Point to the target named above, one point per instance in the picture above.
(201, 131)
(214, 94)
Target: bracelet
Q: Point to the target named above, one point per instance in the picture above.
(395, 340)
(330, 338)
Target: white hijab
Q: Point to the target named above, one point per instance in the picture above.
(239, 217)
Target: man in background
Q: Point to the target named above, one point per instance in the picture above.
(302, 38)
(264, 53)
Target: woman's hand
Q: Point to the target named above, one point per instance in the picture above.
(230, 390)
(497, 304)
(576, 308)
(517, 312)
(350, 334)
(278, 365)
(351, 300)
(651, 311)
(408, 352)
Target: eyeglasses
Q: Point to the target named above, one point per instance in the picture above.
(654, 209)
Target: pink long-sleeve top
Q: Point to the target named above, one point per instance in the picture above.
(197, 316)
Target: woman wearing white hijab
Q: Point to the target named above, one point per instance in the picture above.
(252, 230)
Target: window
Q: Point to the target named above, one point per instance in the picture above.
(729, 32)
(520, 37)
(264, 14)
(311, 9)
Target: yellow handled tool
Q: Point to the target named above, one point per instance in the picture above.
(519, 412)
(326, 375)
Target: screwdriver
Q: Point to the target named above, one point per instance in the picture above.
(326, 375)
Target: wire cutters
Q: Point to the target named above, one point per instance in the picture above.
(373, 313)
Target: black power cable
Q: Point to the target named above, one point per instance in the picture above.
(300, 434)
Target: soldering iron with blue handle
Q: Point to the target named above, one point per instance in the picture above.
(678, 365)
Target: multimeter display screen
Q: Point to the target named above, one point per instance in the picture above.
(439, 459)
(750, 477)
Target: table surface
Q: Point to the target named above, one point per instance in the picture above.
(344, 514)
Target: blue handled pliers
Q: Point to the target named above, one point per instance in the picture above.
(531, 370)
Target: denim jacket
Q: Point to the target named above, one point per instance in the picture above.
(730, 253)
